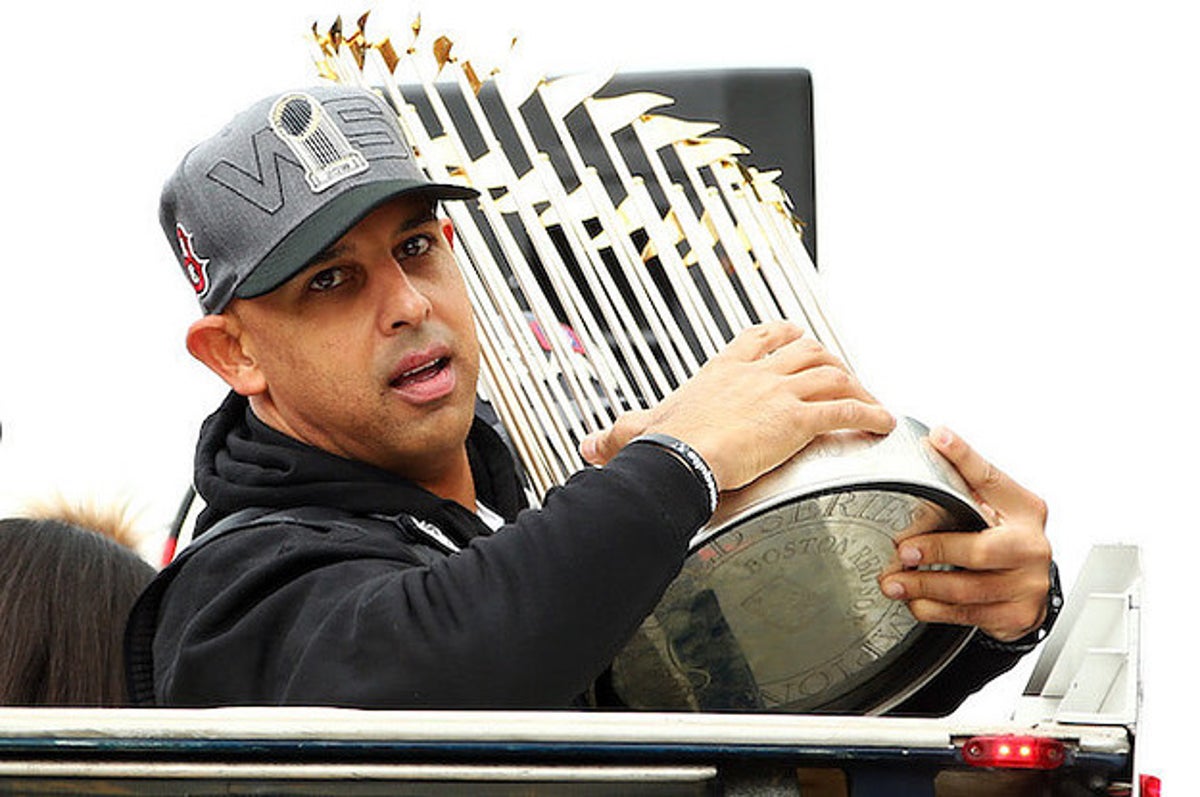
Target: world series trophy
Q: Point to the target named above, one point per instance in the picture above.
(611, 251)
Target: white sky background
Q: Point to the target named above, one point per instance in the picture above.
(1006, 198)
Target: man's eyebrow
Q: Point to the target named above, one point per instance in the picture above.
(332, 253)
(419, 220)
(338, 249)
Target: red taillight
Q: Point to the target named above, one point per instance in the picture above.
(1014, 752)
(1150, 786)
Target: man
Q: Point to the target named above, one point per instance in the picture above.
(364, 542)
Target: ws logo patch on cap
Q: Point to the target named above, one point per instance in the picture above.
(194, 268)
(313, 136)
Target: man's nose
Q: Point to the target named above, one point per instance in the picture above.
(403, 302)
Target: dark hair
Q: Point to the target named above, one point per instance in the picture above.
(65, 592)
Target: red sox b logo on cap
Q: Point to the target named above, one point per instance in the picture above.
(194, 267)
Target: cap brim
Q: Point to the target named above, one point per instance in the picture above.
(324, 227)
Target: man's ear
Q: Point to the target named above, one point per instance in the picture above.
(215, 340)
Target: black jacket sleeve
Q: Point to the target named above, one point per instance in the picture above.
(525, 618)
(978, 663)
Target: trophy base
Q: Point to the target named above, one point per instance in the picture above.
(777, 606)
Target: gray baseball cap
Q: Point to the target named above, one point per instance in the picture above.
(251, 206)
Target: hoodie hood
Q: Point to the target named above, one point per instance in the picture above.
(241, 462)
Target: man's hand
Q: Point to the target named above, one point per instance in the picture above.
(764, 397)
(1005, 575)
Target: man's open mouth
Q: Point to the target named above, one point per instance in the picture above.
(422, 373)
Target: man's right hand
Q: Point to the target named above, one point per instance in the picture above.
(751, 407)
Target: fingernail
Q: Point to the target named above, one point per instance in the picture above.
(587, 449)
(942, 436)
(910, 556)
(893, 589)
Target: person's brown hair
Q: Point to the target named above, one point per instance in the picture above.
(65, 592)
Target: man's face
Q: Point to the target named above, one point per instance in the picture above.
(370, 352)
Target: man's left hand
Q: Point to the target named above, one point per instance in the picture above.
(1003, 574)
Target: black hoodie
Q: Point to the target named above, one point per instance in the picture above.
(370, 611)
(370, 614)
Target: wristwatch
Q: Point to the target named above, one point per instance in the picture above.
(1054, 604)
(688, 456)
